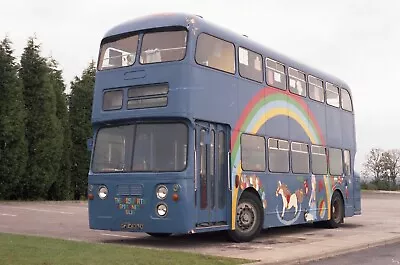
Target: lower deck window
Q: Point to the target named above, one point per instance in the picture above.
(253, 152)
(318, 160)
(278, 155)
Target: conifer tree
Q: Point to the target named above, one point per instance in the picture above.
(81, 129)
(61, 187)
(43, 129)
(13, 147)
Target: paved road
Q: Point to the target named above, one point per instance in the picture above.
(384, 255)
(379, 222)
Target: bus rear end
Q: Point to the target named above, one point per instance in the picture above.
(140, 179)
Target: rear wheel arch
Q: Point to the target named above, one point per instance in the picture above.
(249, 217)
(337, 209)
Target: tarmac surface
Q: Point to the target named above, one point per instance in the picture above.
(378, 225)
(383, 255)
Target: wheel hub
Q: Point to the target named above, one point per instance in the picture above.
(246, 217)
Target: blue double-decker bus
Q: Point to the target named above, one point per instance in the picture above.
(200, 129)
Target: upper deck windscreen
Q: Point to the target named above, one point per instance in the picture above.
(119, 53)
(163, 46)
(157, 47)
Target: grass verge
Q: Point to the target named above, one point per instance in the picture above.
(32, 250)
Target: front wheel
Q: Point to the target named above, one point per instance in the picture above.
(249, 218)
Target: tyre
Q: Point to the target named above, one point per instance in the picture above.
(337, 211)
(159, 234)
(249, 218)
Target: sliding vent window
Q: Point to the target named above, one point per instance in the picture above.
(276, 76)
(316, 88)
(318, 160)
(166, 46)
(332, 95)
(250, 65)
(297, 82)
(148, 96)
(300, 158)
(278, 155)
(119, 53)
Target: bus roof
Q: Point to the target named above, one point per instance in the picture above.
(199, 24)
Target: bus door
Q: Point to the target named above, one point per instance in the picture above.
(211, 174)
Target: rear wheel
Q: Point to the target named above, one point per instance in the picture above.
(249, 218)
(337, 211)
(159, 234)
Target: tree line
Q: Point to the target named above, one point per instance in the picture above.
(381, 169)
(43, 131)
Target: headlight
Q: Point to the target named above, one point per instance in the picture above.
(162, 210)
(103, 192)
(161, 192)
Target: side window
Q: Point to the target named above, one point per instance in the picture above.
(332, 95)
(250, 65)
(278, 155)
(297, 82)
(203, 172)
(253, 152)
(222, 166)
(335, 162)
(346, 100)
(112, 100)
(316, 89)
(276, 76)
(211, 168)
(318, 160)
(347, 165)
(300, 158)
(215, 53)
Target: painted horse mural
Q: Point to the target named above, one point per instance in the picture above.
(289, 200)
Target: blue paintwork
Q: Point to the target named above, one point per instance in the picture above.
(199, 93)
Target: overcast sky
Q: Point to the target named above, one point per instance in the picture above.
(358, 41)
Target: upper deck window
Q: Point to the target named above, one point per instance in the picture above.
(297, 82)
(165, 46)
(119, 53)
(316, 88)
(215, 53)
(346, 100)
(250, 65)
(276, 76)
(332, 95)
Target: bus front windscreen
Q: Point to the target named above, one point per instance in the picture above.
(149, 147)
(157, 47)
(164, 46)
(118, 53)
